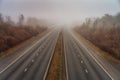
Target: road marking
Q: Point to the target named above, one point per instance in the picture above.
(45, 75)
(25, 69)
(93, 57)
(32, 60)
(81, 61)
(67, 78)
(23, 53)
(86, 70)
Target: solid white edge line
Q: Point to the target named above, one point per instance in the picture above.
(86, 70)
(46, 72)
(65, 61)
(93, 58)
(23, 53)
(25, 69)
(81, 61)
(32, 60)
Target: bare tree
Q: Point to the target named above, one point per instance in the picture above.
(21, 20)
(9, 20)
(1, 19)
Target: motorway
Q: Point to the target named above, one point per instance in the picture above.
(80, 65)
(34, 61)
(33, 64)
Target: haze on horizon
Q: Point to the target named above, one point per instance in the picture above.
(60, 11)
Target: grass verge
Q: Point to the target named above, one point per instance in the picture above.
(57, 66)
(106, 55)
(17, 47)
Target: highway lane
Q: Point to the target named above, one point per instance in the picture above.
(80, 65)
(105, 64)
(5, 61)
(32, 65)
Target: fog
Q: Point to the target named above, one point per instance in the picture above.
(59, 11)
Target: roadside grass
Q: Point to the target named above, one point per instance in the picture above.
(11, 50)
(55, 72)
(106, 55)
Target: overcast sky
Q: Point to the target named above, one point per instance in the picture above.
(59, 10)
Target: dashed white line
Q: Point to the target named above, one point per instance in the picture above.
(23, 54)
(86, 70)
(93, 58)
(25, 69)
(81, 61)
(32, 60)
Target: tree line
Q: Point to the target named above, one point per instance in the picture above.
(104, 32)
(13, 33)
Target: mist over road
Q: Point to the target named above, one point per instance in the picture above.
(33, 62)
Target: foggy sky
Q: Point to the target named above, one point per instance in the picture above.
(59, 10)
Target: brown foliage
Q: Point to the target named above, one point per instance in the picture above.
(11, 36)
(106, 38)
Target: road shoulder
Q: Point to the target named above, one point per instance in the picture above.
(16, 48)
(104, 54)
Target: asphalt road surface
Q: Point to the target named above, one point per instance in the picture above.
(33, 63)
(81, 64)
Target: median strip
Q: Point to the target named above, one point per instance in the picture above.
(57, 67)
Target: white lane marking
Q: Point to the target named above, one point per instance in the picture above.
(23, 53)
(25, 69)
(66, 66)
(93, 57)
(45, 75)
(32, 60)
(86, 70)
(81, 61)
